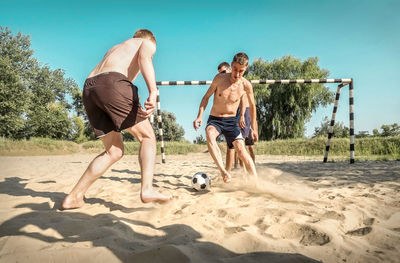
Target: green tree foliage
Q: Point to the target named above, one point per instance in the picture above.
(339, 129)
(283, 109)
(390, 130)
(35, 100)
(13, 101)
(78, 130)
(17, 49)
(76, 96)
(172, 131)
(51, 121)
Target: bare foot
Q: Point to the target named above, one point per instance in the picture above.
(226, 177)
(71, 202)
(148, 196)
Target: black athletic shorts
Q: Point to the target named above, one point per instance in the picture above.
(228, 126)
(111, 102)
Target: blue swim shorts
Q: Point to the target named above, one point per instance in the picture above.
(228, 126)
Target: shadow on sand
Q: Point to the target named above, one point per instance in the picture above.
(171, 243)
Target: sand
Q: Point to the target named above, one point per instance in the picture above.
(300, 210)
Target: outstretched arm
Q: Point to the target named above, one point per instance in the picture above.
(145, 60)
(253, 113)
(203, 104)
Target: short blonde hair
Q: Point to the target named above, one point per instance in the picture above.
(145, 33)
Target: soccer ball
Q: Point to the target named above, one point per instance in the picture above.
(201, 181)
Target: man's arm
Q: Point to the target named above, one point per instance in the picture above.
(145, 61)
(253, 112)
(242, 107)
(203, 104)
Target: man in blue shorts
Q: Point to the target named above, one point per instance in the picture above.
(228, 89)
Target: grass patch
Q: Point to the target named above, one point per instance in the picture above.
(36, 146)
(378, 148)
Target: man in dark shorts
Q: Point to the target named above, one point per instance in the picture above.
(224, 67)
(112, 105)
(231, 154)
(228, 89)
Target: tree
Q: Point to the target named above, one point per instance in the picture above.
(389, 130)
(51, 121)
(339, 129)
(172, 131)
(17, 50)
(48, 112)
(35, 99)
(13, 101)
(78, 129)
(283, 109)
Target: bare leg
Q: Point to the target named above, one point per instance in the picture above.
(114, 150)
(212, 134)
(252, 154)
(245, 157)
(240, 162)
(236, 160)
(230, 155)
(144, 133)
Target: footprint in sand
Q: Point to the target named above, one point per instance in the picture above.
(261, 225)
(221, 213)
(233, 230)
(360, 231)
(334, 215)
(369, 221)
(307, 235)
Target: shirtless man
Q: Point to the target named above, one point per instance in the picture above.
(231, 155)
(228, 90)
(112, 105)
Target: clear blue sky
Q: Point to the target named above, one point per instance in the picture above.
(358, 39)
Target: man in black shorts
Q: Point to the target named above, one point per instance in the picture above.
(228, 89)
(112, 105)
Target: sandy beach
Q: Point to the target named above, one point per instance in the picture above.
(301, 210)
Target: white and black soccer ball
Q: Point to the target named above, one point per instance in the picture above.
(201, 181)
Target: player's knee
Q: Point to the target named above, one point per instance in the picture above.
(211, 136)
(241, 151)
(148, 135)
(115, 153)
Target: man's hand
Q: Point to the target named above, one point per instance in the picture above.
(149, 105)
(242, 123)
(197, 121)
(254, 135)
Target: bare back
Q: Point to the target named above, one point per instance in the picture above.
(227, 96)
(122, 58)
